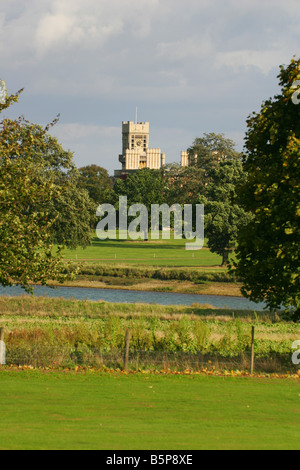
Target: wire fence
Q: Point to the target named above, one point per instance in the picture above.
(45, 356)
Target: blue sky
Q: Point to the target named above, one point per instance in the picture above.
(190, 67)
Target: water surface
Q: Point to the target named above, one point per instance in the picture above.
(130, 296)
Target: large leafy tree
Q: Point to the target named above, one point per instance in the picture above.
(269, 246)
(71, 211)
(144, 187)
(207, 153)
(211, 180)
(209, 150)
(96, 181)
(182, 185)
(26, 253)
(224, 216)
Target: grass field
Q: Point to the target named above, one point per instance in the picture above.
(156, 265)
(57, 410)
(153, 252)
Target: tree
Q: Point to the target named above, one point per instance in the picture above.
(73, 214)
(26, 253)
(142, 187)
(182, 185)
(268, 254)
(211, 180)
(96, 181)
(71, 211)
(223, 214)
(208, 151)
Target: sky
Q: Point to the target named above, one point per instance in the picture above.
(190, 67)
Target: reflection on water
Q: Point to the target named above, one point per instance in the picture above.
(126, 296)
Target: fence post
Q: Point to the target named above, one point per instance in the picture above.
(252, 350)
(2, 348)
(127, 343)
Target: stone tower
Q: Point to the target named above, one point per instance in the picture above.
(136, 153)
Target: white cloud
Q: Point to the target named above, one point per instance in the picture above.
(90, 23)
(55, 28)
(195, 47)
(265, 61)
(61, 30)
(78, 131)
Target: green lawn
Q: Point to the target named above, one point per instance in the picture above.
(56, 410)
(153, 252)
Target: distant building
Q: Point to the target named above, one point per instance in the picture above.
(191, 159)
(136, 153)
(188, 160)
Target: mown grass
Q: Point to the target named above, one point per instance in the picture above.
(92, 411)
(146, 253)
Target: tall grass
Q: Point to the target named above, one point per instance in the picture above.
(34, 322)
(166, 274)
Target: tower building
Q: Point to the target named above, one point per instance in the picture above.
(136, 153)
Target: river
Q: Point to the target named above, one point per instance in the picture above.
(129, 296)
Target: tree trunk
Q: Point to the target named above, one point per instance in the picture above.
(225, 258)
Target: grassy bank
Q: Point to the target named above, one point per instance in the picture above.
(186, 280)
(154, 265)
(65, 411)
(69, 331)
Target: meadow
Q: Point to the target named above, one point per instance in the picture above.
(43, 410)
(58, 332)
(153, 252)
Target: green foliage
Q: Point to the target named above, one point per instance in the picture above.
(96, 181)
(165, 274)
(182, 185)
(69, 325)
(143, 187)
(74, 214)
(211, 149)
(25, 250)
(223, 215)
(268, 255)
(27, 190)
(71, 211)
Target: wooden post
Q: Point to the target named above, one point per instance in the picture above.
(252, 350)
(2, 348)
(127, 343)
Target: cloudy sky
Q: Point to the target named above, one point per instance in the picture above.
(190, 67)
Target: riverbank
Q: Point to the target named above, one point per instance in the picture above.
(48, 332)
(154, 285)
(213, 280)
